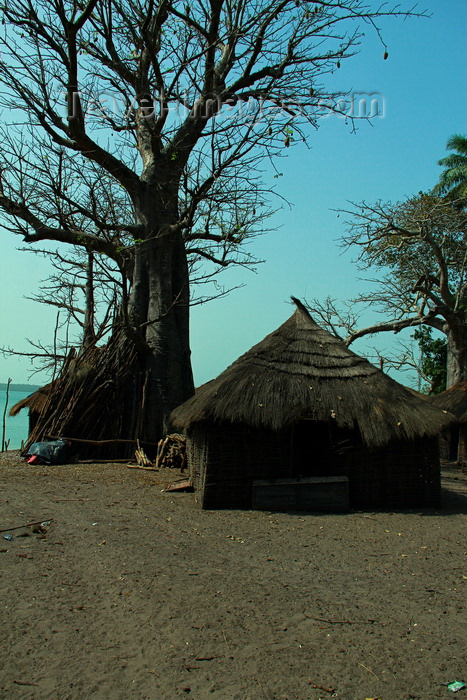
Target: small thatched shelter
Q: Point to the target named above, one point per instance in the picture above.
(454, 442)
(301, 406)
(80, 405)
(35, 402)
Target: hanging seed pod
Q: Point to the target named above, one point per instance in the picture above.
(385, 56)
(338, 64)
(287, 141)
(270, 131)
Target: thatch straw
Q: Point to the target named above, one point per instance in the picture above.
(83, 401)
(35, 402)
(453, 400)
(303, 372)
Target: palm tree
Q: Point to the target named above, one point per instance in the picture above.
(453, 181)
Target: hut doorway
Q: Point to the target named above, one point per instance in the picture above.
(311, 448)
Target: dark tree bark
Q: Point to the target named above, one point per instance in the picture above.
(159, 310)
(456, 354)
(89, 310)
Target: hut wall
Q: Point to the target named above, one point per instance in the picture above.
(446, 445)
(453, 443)
(224, 461)
(403, 474)
(197, 456)
(462, 449)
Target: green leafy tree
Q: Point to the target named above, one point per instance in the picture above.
(433, 360)
(453, 181)
(419, 248)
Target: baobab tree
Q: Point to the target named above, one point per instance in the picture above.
(138, 130)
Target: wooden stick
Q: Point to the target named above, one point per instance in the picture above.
(5, 442)
(25, 683)
(141, 457)
(368, 669)
(321, 687)
(100, 442)
(18, 527)
(160, 452)
(137, 466)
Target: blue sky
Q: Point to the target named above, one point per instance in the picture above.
(423, 86)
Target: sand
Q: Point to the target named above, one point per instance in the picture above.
(134, 593)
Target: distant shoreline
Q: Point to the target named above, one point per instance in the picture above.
(20, 387)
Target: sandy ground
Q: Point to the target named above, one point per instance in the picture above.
(135, 593)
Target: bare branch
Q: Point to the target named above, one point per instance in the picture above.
(395, 327)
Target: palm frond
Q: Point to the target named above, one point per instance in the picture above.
(454, 161)
(453, 181)
(457, 142)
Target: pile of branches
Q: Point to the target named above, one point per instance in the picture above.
(86, 402)
(171, 452)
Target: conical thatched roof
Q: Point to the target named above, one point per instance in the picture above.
(302, 371)
(35, 402)
(453, 400)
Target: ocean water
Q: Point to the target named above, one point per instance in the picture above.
(16, 426)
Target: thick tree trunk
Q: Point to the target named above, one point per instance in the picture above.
(144, 372)
(159, 312)
(456, 355)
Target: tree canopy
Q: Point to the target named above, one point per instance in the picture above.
(419, 248)
(139, 131)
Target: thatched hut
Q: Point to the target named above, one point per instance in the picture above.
(35, 402)
(79, 405)
(454, 442)
(301, 411)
